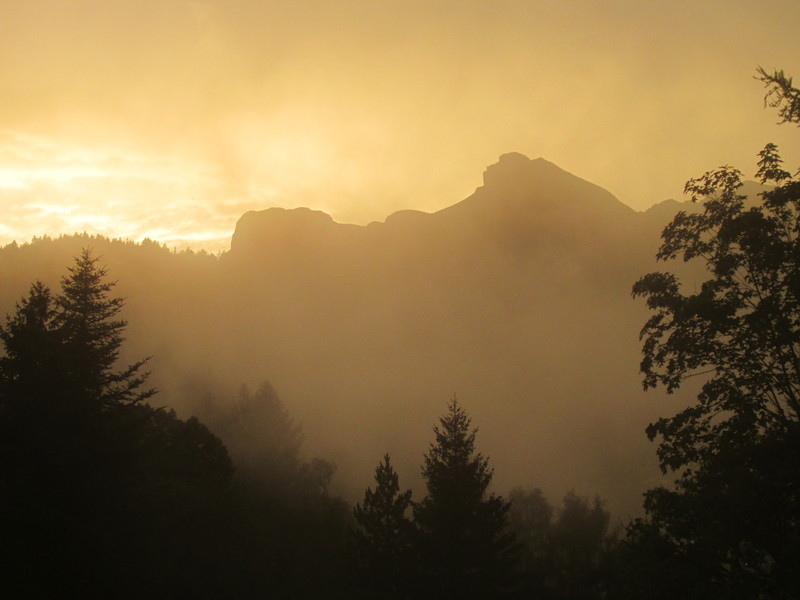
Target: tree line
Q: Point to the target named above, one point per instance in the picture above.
(108, 494)
(104, 493)
(463, 541)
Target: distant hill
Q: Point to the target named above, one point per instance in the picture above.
(517, 299)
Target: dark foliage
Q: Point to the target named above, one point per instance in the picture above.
(566, 557)
(383, 546)
(102, 495)
(732, 522)
(466, 549)
(293, 533)
(101, 492)
(90, 333)
(458, 545)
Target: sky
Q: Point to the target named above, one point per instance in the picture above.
(169, 119)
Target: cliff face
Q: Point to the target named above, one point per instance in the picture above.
(277, 225)
(278, 232)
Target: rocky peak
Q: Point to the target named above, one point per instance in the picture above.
(510, 167)
(280, 228)
(515, 173)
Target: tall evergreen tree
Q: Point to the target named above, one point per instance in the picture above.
(466, 549)
(32, 448)
(100, 494)
(383, 541)
(91, 333)
(31, 348)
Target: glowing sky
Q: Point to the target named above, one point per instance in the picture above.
(169, 119)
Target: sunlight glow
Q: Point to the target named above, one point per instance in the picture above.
(27, 178)
(368, 108)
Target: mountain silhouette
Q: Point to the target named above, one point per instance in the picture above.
(516, 298)
(519, 198)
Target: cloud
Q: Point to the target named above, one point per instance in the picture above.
(361, 109)
(66, 189)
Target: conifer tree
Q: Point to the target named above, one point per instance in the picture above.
(91, 333)
(466, 549)
(30, 346)
(101, 495)
(383, 542)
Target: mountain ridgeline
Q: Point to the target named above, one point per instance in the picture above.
(516, 298)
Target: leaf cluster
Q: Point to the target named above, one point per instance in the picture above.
(741, 330)
(731, 525)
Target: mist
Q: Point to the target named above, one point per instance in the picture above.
(312, 349)
(515, 299)
(355, 242)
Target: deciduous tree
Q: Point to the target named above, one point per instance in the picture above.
(734, 514)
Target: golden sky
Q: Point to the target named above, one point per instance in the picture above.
(168, 119)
